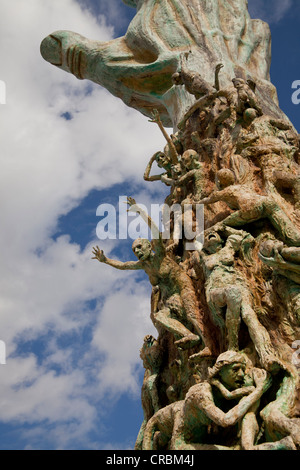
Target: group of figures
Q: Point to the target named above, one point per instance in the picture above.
(220, 374)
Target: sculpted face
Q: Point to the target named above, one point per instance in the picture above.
(212, 242)
(188, 159)
(238, 83)
(176, 78)
(142, 249)
(225, 178)
(233, 375)
(161, 160)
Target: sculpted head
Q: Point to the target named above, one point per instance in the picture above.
(189, 159)
(267, 248)
(151, 353)
(225, 178)
(162, 160)
(176, 78)
(212, 242)
(142, 249)
(238, 83)
(249, 115)
(230, 368)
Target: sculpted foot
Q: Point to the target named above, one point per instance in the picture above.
(188, 341)
(206, 352)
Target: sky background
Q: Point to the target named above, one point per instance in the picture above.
(73, 328)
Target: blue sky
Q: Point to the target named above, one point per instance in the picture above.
(72, 327)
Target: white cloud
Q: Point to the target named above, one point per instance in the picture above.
(48, 165)
(129, 310)
(54, 404)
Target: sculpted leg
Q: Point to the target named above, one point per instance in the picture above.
(259, 335)
(267, 209)
(233, 318)
(277, 414)
(192, 311)
(159, 428)
(231, 299)
(164, 319)
(240, 218)
(250, 431)
(285, 227)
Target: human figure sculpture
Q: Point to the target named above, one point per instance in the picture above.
(285, 259)
(281, 430)
(245, 143)
(162, 162)
(168, 159)
(151, 354)
(189, 182)
(240, 96)
(226, 287)
(222, 400)
(193, 81)
(250, 207)
(176, 287)
(170, 150)
(191, 169)
(290, 181)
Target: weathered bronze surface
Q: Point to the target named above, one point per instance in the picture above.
(220, 374)
(138, 68)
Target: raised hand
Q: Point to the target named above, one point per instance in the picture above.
(133, 207)
(262, 378)
(99, 254)
(155, 117)
(131, 202)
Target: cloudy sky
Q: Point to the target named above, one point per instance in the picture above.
(73, 328)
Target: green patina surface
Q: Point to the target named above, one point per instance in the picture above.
(220, 374)
(213, 32)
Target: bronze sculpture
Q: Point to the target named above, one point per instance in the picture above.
(232, 303)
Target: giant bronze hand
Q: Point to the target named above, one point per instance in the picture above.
(138, 67)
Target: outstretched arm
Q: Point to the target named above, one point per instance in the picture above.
(173, 151)
(278, 262)
(147, 176)
(215, 196)
(100, 256)
(133, 207)
(217, 72)
(184, 178)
